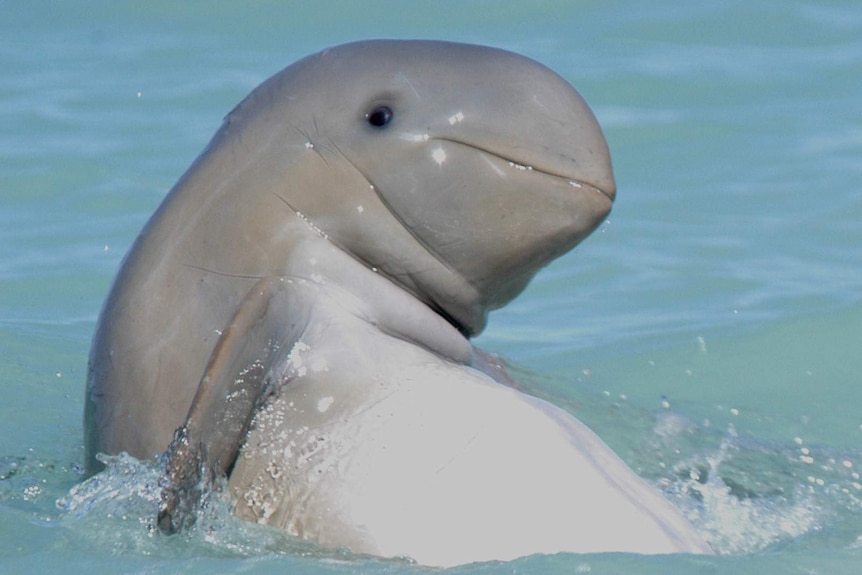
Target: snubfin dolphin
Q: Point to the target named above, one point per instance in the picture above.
(295, 315)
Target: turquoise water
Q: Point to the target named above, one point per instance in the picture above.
(709, 331)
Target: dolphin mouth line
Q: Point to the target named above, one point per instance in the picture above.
(572, 181)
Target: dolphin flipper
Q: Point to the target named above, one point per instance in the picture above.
(242, 372)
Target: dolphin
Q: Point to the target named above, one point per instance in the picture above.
(296, 314)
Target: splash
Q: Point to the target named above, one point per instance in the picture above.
(747, 496)
(116, 510)
(118, 506)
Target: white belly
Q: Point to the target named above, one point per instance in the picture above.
(440, 463)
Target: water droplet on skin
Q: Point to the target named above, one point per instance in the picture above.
(439, 156)
(324, 403)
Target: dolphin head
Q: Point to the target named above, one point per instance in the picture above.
(457, 171)
(490, 162)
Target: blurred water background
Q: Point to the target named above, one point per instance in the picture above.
(709, 331)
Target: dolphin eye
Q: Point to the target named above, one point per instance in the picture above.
(380, 116)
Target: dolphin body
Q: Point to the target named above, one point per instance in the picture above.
(295, 315)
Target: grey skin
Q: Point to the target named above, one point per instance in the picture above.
(328, 256)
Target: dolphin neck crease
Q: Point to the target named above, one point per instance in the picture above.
(369, 295)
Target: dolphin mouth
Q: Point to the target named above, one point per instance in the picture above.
(576, 182)
(581, 184)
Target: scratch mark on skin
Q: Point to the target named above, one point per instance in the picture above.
(459, 454)
(324, 150)
(285, 202)
(493, 165)
(223, 274)
(309, 143)
(373, 404)
(407, 81)
(304, 218)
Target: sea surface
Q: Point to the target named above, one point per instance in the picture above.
(710, 331)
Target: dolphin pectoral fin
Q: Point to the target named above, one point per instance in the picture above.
(181, 485)
(240, 375)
